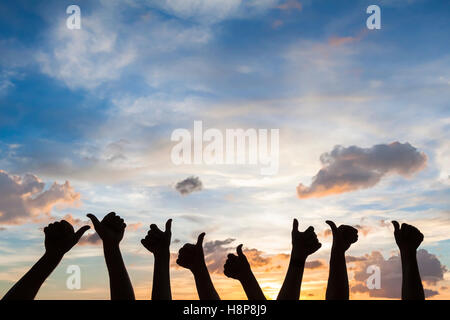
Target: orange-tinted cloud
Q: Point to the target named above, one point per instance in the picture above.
(90, 239)
(352, 168)
(338, 41)
(23, 199)
(134, 226)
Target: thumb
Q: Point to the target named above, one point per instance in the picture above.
(332, 226)
(396, 226)
(169, 226)
(295, 225)
(239, 251)
(94, 220)
(80, 232)
(200, 239)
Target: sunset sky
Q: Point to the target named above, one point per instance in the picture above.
(86, 118)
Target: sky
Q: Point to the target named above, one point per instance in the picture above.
(86, 118)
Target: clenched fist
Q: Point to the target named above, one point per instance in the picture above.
(237, 266)
(191, 256)
(303, 243)
(110, 229)
(60, 237)
(157, 241)
(343, 237)
(408, 237)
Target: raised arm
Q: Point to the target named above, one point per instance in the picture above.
(59, 239)
(158, 243)
(343, 237)
(408, 239)
(237, 267)
(303, 244)
(191, 257)
(111, 230)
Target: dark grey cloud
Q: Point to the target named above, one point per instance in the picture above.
(216, 254)
(90, 239)
(431, 271)
(189, 185)
(314, 264)
(353, 168)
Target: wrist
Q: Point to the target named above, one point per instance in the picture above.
(336, 250)
(408, 254)
(298, 259)
(246, 276)
(53, 256)
(165, 254)
(199, 270)
(110, 246)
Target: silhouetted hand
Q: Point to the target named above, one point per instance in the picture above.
(408, 237)
(60, 237)
(110, 229)
(237, 266)
(343, 237)
(303, 243)
(157, 241)
(191, 256)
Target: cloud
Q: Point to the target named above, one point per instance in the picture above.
(353, 168)
(85, 58)
(216, 253)
(431, 271)
(364, 230)
(315, 264)
(338, 41)
(24, 199)
(134, 226)
(189, 185)
(213, 11)
(111, 45)
(90, 239)
(290, 5)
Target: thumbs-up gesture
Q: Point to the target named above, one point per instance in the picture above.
(157, 241)
(60, 237)
(408, 237)
(343, 237)
(191, 256)
(237, 266)
(110, 229)
(303, 243)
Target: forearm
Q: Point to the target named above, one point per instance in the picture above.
(412, 288)
(161, 278)
(293, 280)
(337, 288)
(28, 286)
(119, 281)
(251, 287)
(205, 287)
